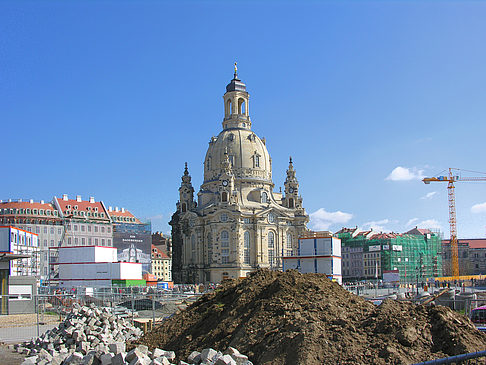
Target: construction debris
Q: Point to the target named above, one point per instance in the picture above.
(87, 332)
(292, 318)
(94, 336)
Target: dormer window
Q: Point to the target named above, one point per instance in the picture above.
(69, 207)
(264, 197)
(256, 160)
(208, 163)
(75, 207)
(96, 209)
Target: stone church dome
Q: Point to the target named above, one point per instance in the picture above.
(246, 152)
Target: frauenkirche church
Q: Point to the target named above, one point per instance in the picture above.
(239, 223)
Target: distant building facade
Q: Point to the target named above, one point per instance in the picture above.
(161, 265)
(162, 242)
(471, 255)
(406, 257)
(68, 222)
(40, 218)
(239, 223)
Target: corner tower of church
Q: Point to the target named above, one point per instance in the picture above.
(239, 223)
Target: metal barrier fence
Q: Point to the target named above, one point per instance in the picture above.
(144, 307)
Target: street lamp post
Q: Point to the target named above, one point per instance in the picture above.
(417, 273)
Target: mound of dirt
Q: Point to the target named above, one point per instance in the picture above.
(293, 318)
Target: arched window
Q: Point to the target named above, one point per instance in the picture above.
(289, 244)
(241, 106)
(264, 197)
(184, 207)
(228, 107)
(224, 196)
(271, 248)
(193, 248)
(208, 163)
(291, 202)
(210, 248)
(246, 248)
(224, 239)
(257, 160)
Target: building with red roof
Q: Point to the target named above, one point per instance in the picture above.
(390, 256)
(471, 255)
(161, 265)
(41, 218)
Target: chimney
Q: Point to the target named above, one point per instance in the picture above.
(110, 209)
(116, 209)
(78, 198)
(20, 200)
(91, 199)
(42, 201)
(123, 210)
(10, 200)
(31, 201)
(64, 197)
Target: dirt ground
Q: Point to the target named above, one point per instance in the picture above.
(291, 318)
(13, 320)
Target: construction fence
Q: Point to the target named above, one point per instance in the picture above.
(144, 307)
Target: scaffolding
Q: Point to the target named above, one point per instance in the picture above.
(417, 258)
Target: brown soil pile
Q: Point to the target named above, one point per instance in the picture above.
(292, 318)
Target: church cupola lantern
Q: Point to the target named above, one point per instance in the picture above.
(236, 111)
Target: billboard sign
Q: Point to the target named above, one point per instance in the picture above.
(391, 276)
(133, 247)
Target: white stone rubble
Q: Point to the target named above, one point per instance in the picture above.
(94, 336)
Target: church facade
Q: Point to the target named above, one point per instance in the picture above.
(239, 224)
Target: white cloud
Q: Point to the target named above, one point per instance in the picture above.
(411, 222)
(378, 226)
(429, 195)
(430, 223)
(321, 220)
(479, 208)
(405, 174)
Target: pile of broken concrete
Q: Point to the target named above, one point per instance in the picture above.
(92, 336)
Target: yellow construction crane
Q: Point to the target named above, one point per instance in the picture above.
(450, 179)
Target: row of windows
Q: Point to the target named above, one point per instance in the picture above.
(123, 219)
(76, 208)
(231, 158)
(28, 211)
(81, 213)
(224, 240)
(88, 228)
(21, 239)
(74, 212)
(82, 241)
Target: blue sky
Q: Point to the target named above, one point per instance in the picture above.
(109, 99)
